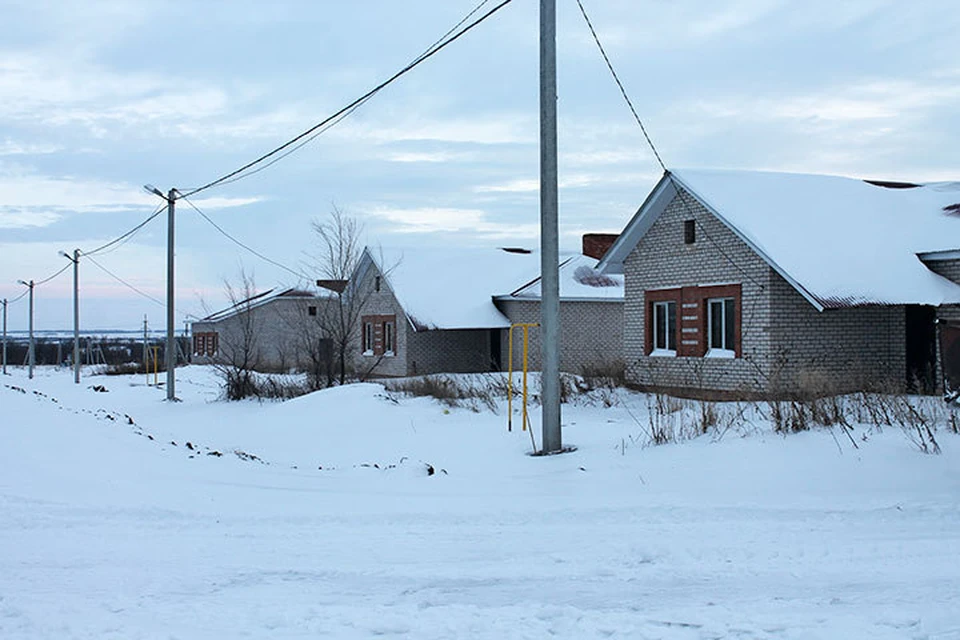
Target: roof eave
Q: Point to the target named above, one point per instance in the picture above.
(813, 300)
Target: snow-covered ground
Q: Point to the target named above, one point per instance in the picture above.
(110, 530)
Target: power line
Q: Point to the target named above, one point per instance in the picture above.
(623, 91)
(123, 282)
(299, 274)
(345, 113)
(681, 192)
(128, 234)
(49, 278)
(332, 120)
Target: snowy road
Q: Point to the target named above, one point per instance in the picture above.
(106, 534)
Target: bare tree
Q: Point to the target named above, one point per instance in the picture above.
(340, 251)
(239, 353)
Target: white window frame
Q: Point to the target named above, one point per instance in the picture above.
(724, 350)
(367, 338)
(389, 338)
(670, 333)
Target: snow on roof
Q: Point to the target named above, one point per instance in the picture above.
(579, 280)
(839, 241)
(453, 288)
(258, 300)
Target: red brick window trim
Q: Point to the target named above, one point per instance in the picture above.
(379, 335)
(707, 321)
(206, 343)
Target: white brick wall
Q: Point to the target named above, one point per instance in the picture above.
(591, 333)
(787, 345)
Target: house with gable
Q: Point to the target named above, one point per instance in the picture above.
(432, 310)
(758, 282)
(270, 330)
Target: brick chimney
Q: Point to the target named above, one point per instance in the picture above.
(596, 245)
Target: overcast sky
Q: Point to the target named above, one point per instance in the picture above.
(98, 98)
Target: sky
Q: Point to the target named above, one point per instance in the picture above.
(100, 98)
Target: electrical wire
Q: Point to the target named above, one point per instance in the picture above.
(682, 194)
(49, 278)
(623, 91)
(129, 234)
(124, 282)
(305, 137)
(300, 275)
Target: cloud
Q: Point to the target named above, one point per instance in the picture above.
(481, 129)
(568, 181)
(34, 200)
(439, 219)
(860, 103)
(12, 148)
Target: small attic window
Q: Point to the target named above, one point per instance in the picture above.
(311, 311)
(376, 283)
(689, 231)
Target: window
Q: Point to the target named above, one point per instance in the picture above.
(689, 231)
(376, 284)
(721, 327)
(693, 321)
(205, 343)
(665, 326)
(311, 311)
(379, 335)
(389, 347)
(368, 338)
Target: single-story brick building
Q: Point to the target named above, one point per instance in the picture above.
(450, 310)
(759, 282)
(272, 329)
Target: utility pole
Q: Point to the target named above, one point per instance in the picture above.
(171, 338)
(31, 358)
(171, 350)
(4, 336)
(76, 312)
(549, 232)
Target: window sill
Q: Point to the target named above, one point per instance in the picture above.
(367, 353)
(663, 353)
(720, 353)
(389, 354)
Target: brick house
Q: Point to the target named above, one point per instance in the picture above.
(442, 310)
(754, 282)
(274, 326)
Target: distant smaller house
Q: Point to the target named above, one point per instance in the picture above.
(591, 312)
(276, 329)
(450, 310)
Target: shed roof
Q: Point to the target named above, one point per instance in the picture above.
(579, 280)
(839, 241)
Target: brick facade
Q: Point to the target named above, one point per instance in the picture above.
(279, 327)
(591, 333)
(417, 352)
(785, 344)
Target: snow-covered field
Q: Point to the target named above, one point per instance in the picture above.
(110, 530)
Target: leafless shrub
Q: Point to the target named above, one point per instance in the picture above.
(468, 391)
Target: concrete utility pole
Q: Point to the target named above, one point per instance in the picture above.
(30, 352)
(549, 233)
(171, 337)
(4, 336)
(76, 312)
(171, 350)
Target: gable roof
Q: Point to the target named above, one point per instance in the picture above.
(258, 300)
(839, 241)
(452, 288)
